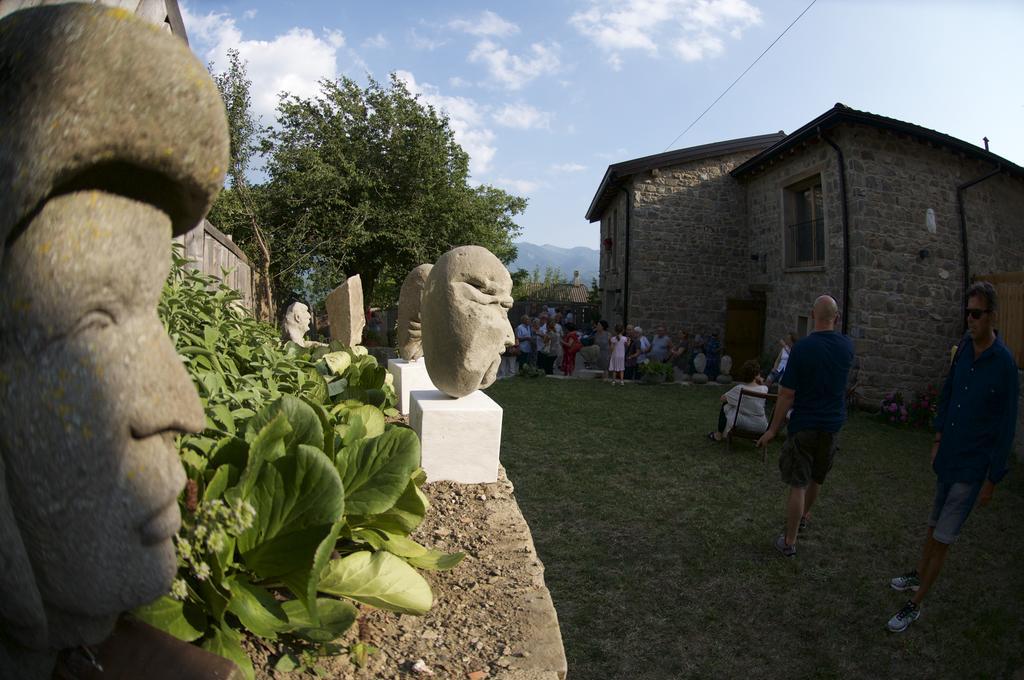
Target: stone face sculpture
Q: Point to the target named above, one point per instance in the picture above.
(464, 312)
(410, 344)
(725, 377)
(700, 362)
(296, 324)
(114, 138)
(345, 312)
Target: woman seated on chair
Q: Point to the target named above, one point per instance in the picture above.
(751, 410)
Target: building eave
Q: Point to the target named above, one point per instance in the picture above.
(617, 173)
(841, 114)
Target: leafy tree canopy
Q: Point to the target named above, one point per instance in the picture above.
(361, 180)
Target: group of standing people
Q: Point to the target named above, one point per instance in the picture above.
(630, 348)
(545, 340)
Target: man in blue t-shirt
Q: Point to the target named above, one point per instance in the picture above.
(974, 430)
(814, 386)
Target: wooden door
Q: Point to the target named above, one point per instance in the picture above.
(744, 331)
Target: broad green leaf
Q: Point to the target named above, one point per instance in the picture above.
(338, 362)
(403, 518)
(227, 643)
(378, 579)
(181, 620)
(218, 483)
(286, 664)
(305, 425)
(377, 473)
(325, 425)
(336, 617)
(418, 555)
(215, 601)
(303, 581)
(372, 419)
(256, 608)
(293, 496)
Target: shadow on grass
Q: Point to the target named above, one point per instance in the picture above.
(657, 545)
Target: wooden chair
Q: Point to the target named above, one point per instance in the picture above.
(753, 435)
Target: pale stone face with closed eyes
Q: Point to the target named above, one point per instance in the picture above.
(464, 313)
(114, 140)
(92, 394)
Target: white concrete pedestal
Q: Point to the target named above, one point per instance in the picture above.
(460, 438)
(409, 376)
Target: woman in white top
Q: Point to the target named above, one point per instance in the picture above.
(786, 345)
(751, 410)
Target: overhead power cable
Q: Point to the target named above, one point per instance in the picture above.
(740, 76)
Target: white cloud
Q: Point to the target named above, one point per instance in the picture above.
(513, 71)
(420, 42)
(335, 37)
(249, 14)
(523, 117)
(488, 23)
(456, 81)
(377, 42)
(692, 27)
(568, 167)
(522, 186)
(466, 118)
(292, 62)
(696, 48)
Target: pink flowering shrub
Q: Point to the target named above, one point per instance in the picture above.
(916, 412)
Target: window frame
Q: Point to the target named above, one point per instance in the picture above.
(789, 191)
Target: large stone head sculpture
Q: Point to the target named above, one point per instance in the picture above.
(410, 345)
(114, 139)
(464, 312)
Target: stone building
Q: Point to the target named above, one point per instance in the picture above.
(738, 237)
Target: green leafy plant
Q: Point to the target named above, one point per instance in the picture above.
(300, 496)
(656, 371)
(528, 371)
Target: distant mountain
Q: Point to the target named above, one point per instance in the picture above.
(566, 260)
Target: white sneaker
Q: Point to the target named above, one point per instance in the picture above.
(904, 617)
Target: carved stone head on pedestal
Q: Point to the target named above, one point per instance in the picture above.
(296, 323)
(410, 343)
(464, 312)
(114, 138)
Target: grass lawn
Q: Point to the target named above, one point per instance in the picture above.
(657, 545)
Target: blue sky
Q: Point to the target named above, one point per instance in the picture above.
(544, 95)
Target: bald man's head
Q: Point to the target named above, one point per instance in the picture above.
(825, 311)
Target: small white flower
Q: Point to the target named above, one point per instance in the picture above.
(179, 591)
(216, 541)
(202, 571)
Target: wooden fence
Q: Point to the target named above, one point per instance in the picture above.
(212, 251)
(1010, 289)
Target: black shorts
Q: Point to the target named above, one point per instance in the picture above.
(807, 455)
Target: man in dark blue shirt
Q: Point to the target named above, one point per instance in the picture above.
(974, 431)
(814, 385)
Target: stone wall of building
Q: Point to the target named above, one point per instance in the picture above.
(789, 295)
(905, 248)
(688, 250)
(613, 229)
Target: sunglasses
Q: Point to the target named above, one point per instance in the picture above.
(977, 313)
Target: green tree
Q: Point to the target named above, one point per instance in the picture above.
(371, 181)
(240, 208)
